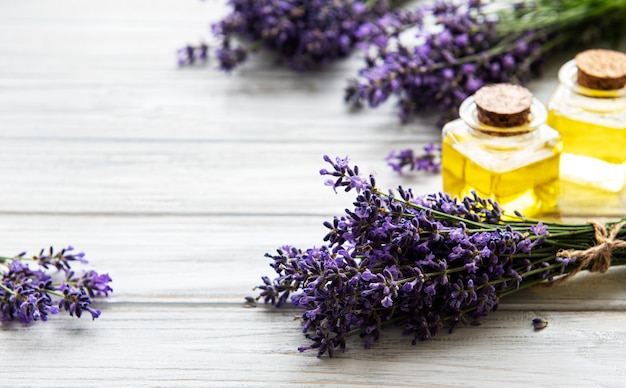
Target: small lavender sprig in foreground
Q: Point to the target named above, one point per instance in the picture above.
(32, 294)
(423, 263)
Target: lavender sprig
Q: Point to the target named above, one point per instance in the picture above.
(457, 47)
(422, 263)
(32, 294)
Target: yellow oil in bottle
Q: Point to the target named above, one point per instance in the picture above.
(529, 186)
(592, 121)
(593, 154)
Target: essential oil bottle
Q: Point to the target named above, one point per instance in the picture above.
(588, 108)
(501, 148)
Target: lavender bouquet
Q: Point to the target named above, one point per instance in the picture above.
(31, 294)
(424, 263)
(306, 34)
(456, 47)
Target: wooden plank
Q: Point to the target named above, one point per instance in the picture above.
(185, 177)
(191, 176)
(177, 344)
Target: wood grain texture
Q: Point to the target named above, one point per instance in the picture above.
(177, 181)
(179, 344)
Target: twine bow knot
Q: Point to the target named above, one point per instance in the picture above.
(598, 257)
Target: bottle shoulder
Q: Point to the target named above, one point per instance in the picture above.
(571, 100)
(458, 131)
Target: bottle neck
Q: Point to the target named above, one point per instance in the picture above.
(568, 75)
(469, 114)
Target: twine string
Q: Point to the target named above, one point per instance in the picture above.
(598, 257)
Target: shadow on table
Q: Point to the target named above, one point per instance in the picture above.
(586, 291)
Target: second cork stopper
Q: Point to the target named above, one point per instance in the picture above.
(601, 69)
(503, 105)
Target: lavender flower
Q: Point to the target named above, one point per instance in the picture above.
(423, 264)
(454, 48)
(539, 323)
(429, 161)
(306, 34)
(28, 294)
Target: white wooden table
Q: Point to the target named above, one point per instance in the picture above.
(177, 181)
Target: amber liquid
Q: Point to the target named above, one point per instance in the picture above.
(530, 188)
(593, 155)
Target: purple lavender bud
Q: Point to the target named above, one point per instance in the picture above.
(190, 55)
(229, 58)
(429, 161)
(540, 229)
(95, 284)
(539, 324)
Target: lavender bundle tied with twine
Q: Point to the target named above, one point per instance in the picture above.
(424, 263)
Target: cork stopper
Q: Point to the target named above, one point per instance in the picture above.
(503, 105)
(601, 69)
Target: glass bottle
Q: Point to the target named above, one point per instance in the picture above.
(513, 159)
(591, 117)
